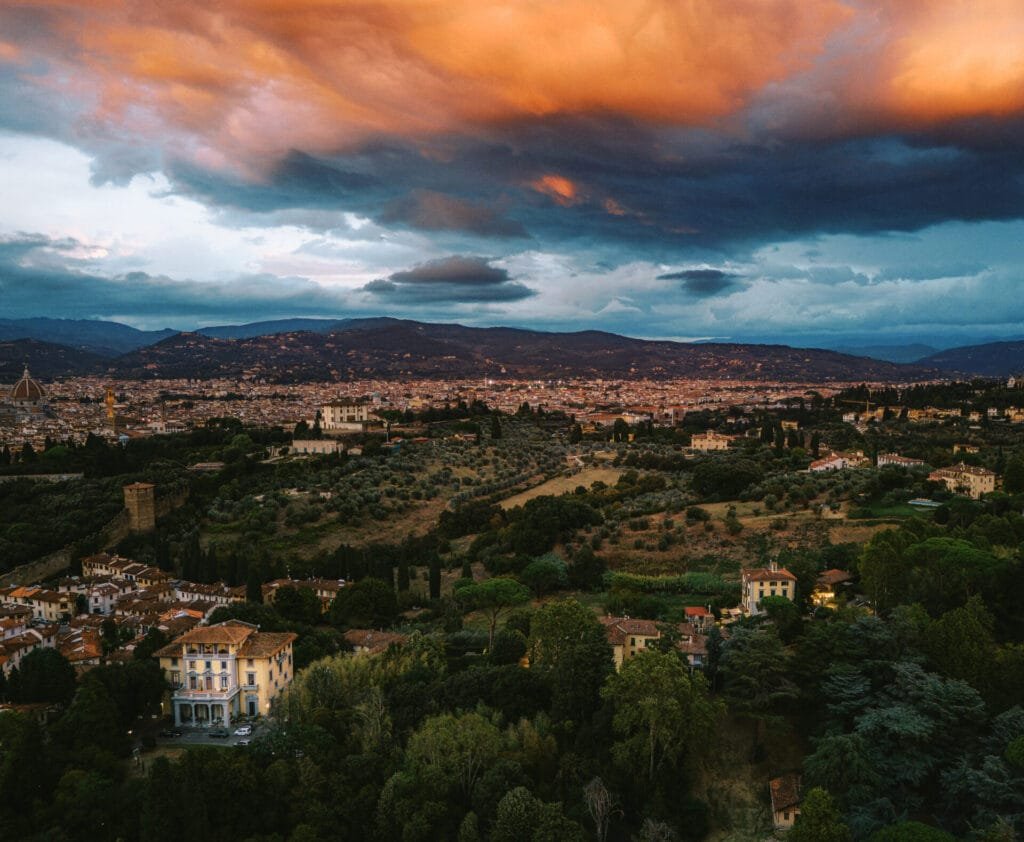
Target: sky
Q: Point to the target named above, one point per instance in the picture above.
(838, 173)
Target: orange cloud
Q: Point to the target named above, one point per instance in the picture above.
(248, 77)
(239, 82)
(954, 59)
(561, 189)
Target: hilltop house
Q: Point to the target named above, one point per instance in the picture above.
(218, 673)
(760, 582)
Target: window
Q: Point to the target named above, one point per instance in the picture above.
(193, 682)
(250, 679)
(209, 665)
(174, 662)
(223, 665)
(249, 662)
(785, 817)
(223, 682)
(176, 679)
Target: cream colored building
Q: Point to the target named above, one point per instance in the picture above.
(49, 606)
(629, 637)
(709, 441)
(316, 447)
(219, 673)
(761, 582)
(346, 417)
(965, 479)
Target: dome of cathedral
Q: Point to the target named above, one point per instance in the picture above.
(27, 389)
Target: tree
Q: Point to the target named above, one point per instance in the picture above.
(155, 639)
(724, 478)
(435, 576)
(661, 711)
(492, 598)
(44, 676)
(495, 426)
(93, 720)
(457, 748)
(369, 602)
(587, 569)
(253, 584)
(298, 605)
(785, 616)
(754, 666)
(1013, 477)
(960, 644)
(912, 832)
(544, 575)
(600, 805)
(569, 648)
(819, 820)
(522, 817)
(575, 434)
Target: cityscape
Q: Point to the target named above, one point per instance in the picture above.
(508, 422)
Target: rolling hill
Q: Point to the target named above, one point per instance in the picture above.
(392, 348)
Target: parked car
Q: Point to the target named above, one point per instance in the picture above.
(243, 742)
(243, 731)
(170, 732)
(219, 733)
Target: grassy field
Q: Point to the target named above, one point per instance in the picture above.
(563, 485)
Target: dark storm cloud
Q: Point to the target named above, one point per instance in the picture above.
(432, 211)
(703, 282)
(671, 193)
(455, 279)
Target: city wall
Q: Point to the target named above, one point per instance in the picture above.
(113, 532)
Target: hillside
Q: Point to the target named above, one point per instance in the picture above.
(993, 359)
(45, 359)
(392, 348)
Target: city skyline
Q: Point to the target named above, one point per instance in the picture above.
(820, 173)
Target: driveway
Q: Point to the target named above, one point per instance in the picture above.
(193, 736)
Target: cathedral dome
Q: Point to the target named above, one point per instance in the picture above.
(27, 390)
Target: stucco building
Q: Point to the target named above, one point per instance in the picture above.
(219, 673)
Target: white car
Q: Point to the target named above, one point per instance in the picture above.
(243, 731)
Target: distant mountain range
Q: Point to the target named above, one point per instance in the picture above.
(309, 350)
(993, 359)
(107, 339)
(891, 353)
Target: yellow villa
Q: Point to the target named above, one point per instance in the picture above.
(218, 673)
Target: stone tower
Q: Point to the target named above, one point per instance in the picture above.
(140, 501)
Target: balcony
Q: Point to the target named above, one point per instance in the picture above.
(185, 695)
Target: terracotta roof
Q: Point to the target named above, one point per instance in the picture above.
(834, 577)
(696, 611)
(265, 644)
(763, 574)
(785, 791)
(619, 628)
(374, 641)
(230, 631)
(694, 644)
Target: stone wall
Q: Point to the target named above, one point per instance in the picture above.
(113, 532)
